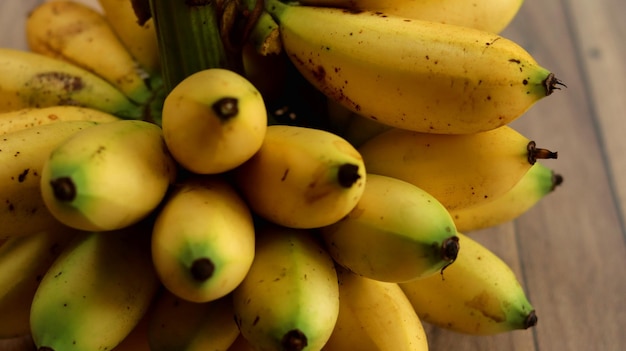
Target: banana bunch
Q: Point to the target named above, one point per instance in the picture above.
(227, 214)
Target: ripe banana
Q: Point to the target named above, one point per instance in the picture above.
(23, 261)
(213, 121)
(538, 182)
(203, 239)
(290, 298)
(12, 121)
(95, 293)
(373, 316)
(302, 177)
(488, 15)
(397, 232)
(108, 176)
(478, 295)
(35, 80)
(80, 35)
(458, 170)
(180, 325)
(417, 75)
(22, 156)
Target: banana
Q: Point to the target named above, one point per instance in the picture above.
(373, 316)
(180, 325)
(488, 15)
(302, 177)
(78, 34)
(478, 295)
(22, 156)
(12, 121)
(397, 232)
(289, 300)
(458, 170)
(109, 176)
(95, 292)
(35, 80)
(137, 339)
(213, 121)
(417, 75)
(23, 262)
(203, 239)
(140, 39)
(538, 182)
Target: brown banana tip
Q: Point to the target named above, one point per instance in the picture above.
(557, 180)
(226, 108)
(552, 83)
(348, 174)
(202, 269)
(450, 248)
(294, 340)
(63, 189)
(535, 153)
(531, 320)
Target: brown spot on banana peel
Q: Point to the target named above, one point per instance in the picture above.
(535, 153)
(481, 303)
(294, 340)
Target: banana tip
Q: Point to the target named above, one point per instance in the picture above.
(294, 340)
(552, 83)
(531, 320)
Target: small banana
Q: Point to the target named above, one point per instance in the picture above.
(478, 295)
(203, 239)
(35, 80)
(488, 15)
(180, 325)
(289, 300)
(95, 292)
(302, 177)
(77, 33)
(373, 316)
(538, 182)
(22, 156)
(412, 74)
(12, 121)
(397, 232)
(458, 170)
(109, 176)
(213, 121)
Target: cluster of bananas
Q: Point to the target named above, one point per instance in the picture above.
(135, 218)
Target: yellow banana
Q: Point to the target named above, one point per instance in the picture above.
(109, 176)
(22, 156)
(373, 316)
(290, 298)
(95, 292)
(180, 325)
(23, 261)
(478, 295)
(488, 15)
(203, 239)
(458, 170)
(397, 232)
(35, 80)
(80, 35)
(538, 182)
(12, 121)
(213, 121)
(302, 177)
(417, 75)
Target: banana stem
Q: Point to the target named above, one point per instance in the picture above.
(535, 153)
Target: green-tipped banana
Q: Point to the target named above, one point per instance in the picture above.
(478, 295)
(289, 301)
(397, 232)
(412, 74)
(203, 239)
(109, 176)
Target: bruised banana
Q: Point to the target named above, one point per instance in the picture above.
(488, 15)
(417, 75)
(35, 80)
(537, 183)
(373, 316)
(302, 177)
(109, 176)
(478, 295)
(12, 121)
(289, 300)
(397, 232)
(458, 170)
(213, 121)
(203, 239)
(77, 33)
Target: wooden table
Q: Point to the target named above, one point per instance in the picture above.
(569, 251)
